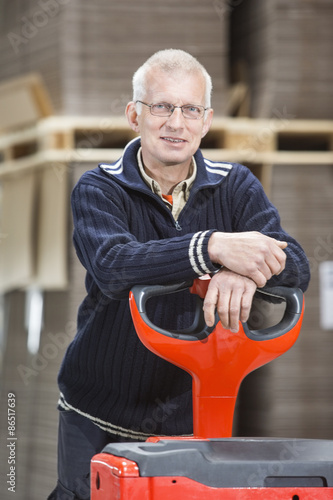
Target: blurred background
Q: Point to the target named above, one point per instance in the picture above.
(65, 78)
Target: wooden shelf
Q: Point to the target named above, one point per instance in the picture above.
(259, 144)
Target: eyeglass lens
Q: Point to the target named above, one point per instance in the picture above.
(188, 110)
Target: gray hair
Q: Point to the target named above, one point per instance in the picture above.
(170, 60)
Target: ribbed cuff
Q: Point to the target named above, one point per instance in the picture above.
(198, 253)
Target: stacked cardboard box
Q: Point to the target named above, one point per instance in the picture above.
(29, 42)
(287, 48)
(302, 380)
(87, 52)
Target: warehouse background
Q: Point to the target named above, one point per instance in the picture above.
(268, 60)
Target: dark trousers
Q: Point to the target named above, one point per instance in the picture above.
(78, 441)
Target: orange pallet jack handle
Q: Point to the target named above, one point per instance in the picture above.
(217, 359)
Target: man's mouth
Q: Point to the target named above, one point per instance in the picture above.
(174, 140)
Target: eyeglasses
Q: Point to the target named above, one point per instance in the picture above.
(191, 111)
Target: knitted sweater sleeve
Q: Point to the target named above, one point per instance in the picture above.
(116, 259)
(252, 211)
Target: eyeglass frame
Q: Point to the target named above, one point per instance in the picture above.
(173, 107)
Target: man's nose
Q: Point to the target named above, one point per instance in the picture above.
(176, 120)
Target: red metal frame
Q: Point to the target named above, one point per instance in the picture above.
(118, 478)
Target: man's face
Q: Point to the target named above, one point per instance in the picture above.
(172, 140)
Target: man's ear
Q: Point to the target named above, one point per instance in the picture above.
(132, 116)
(207, 122)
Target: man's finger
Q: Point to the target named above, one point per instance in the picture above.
(246, 306)
(209, 306)
(282, 244)
(235, 310)
(223, 308)
(258, 277)
(276, 260)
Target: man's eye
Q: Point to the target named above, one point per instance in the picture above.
(193, 109)
(162, 106)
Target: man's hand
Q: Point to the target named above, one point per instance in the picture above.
(250, 254)
(231, 294)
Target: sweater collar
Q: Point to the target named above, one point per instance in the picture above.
(126, 170)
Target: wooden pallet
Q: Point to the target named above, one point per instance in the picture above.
(258, 144)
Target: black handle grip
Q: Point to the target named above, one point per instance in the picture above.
(294, 306)
(199, 330)
(144, 292)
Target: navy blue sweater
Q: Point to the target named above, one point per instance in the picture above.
(124, 235)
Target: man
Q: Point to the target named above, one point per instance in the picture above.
(160, 214)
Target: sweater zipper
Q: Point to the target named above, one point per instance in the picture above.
(177, 225)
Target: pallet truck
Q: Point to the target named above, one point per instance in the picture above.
(212, 464)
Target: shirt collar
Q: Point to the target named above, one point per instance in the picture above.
(184, 185)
